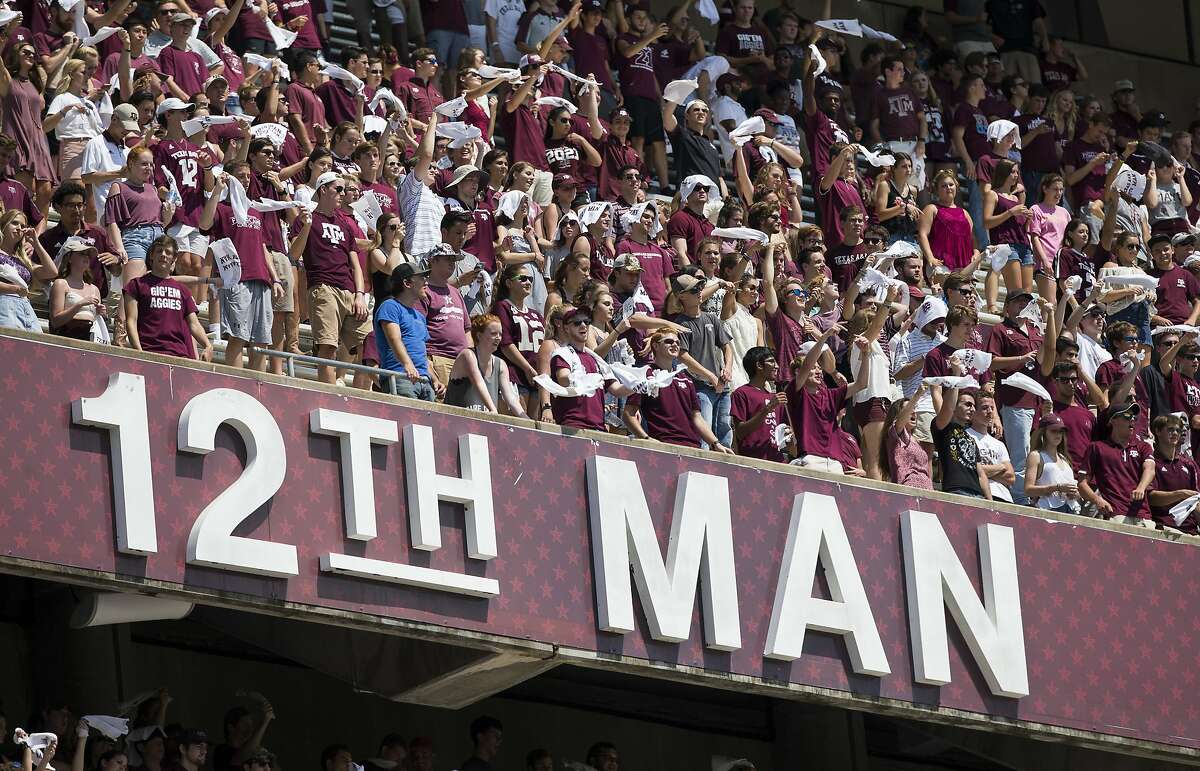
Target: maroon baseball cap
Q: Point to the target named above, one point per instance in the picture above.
(563, 43)
(619, 112)
(564, 180)
(768, 115)
(1051, 421)
(729, 77)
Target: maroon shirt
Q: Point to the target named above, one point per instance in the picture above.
(689, 226)
(526, 330)
(1008, 339)
(272, 232)
(1184, 395)
(1058, 76)
(1113, 471)
(328, 252)
(185, 67)
(786, 337)
(187, 162)
(563, 157)
(444, 14)
(306, 37)
(845, 262)
(897, 111)
(814, 418)
(1109, 374)
(759, 443)
(591, 54)
(163, 305)
(303, 101)
(14, 195)
(841, 195)
(420, 98)
(524, 130)
(672, 58)
(340, 105)
(247, 237)
(1080, 423)
(657, 267)
(578, 411)
(1076, 155)
(636, 73)
(1178, 290)
(753, 40)
(615, 154)
(974, 124)
(447, 319)
(821, 133)
(132, 206)
(1169, 476)
(1041, 154)
(668, 414)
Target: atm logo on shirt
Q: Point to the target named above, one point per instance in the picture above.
(332, 233)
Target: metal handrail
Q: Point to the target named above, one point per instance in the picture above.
(385, 375)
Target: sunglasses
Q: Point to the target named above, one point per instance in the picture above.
(632, 175)
(1190, 356)
(672, 341)
(694, 290)
(577, 323)
(798, 293)
(525, 279)
(339, 188)
(1131, 339)
(872, 240)
(1069, 379)
(430, 60)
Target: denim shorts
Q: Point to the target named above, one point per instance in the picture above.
(137, 240)
(17, 313)
(1138, 315)
(1022, 252)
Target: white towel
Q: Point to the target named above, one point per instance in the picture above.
(644, 380)
(489, 72)
(1179, 329)
(112, 727)
(386, 95)
(276, 132)
(844, 26)
(973, 360)
(558, 101)
(1181, 510)
(572, 76)
(283, 38)
(952, 381)
(677, 90)
(741, 234)
(458, 133)
(999, 256)
(1131, 183)
(337, 73)
(229, 264)
(708, 11)
(1026, 383)
(877, 160)
(1136, 279)
(452, 108)
(747, 129)
(102, 34)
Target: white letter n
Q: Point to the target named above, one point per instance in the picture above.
(993, 630)
(701, 548)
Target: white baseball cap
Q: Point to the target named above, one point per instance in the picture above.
(168, 105)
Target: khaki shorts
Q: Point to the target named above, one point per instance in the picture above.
(924, 430)
(331, 313)
(440, 366)
(287, 277)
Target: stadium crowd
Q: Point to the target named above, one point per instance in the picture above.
(143, 740)
(589, 214)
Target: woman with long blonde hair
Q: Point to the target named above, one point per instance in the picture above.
(1063, 112)
(1050, 464)
(74, 117)
(18, 248)
(74, 297)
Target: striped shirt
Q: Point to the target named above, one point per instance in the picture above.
(908, 348)
(422, 211)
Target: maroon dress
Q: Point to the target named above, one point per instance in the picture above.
(950, 237)
(23, 108)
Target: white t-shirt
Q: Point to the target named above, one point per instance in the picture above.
(879, 384)
(991, 452)
(507, 14)
(1091, 354)
(727, 109)
(102, 155)
(77, 124)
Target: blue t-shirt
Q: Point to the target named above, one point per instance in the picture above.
(413, 332)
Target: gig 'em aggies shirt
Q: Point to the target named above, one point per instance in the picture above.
(164, 305)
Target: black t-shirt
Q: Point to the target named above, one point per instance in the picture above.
(1013, 21)
(959, 457)
(474, 764)
(694, 154)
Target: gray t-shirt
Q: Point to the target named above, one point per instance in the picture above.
(1170, 203)
(705, 339)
